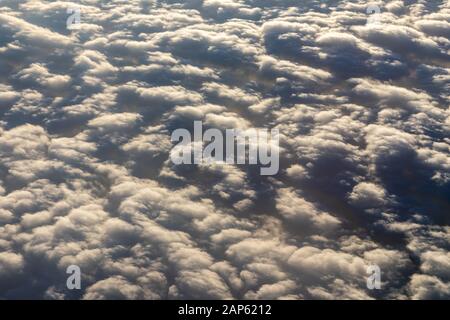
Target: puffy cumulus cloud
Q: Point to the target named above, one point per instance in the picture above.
(401, 39)
(231, 184)
(153, 142)
(297, 210)
(283, 290)
(273, 68)
(425, 287)
(31, 35)
(203, 284)
(368, 195)
(171, 94)
(11, 263)
(39, 75)
(118, 288)
(318, 263)
(8, 96)
(113, 127)
(87, 114)
(436, 262)
(222, 92)
(338, 290)
(385, 95)
(24, 142)
(95, 65)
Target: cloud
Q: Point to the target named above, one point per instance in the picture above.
(298, 210)
(317, 263)
(368, 195)
(424, 287)
(86, 116)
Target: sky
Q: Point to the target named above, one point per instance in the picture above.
(359, 92)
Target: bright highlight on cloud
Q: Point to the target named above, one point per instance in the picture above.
(361, 105)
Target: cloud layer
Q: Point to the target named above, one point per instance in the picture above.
(85, 172)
